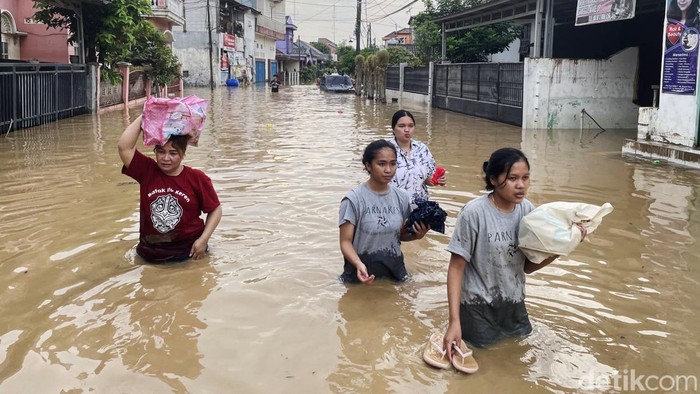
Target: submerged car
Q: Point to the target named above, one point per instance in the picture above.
(336, 83)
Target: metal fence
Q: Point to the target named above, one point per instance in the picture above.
(393, 79)
(489, 82)
(36, 93)
(416, 79)
(490, 90)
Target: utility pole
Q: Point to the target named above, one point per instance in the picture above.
(357, 26)
(369, 35)
(300, 62)
(211, 48)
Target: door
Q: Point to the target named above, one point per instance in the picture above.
(273, 69)
(259, 71)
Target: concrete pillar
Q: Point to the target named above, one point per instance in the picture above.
(431, 70)
(124, 69)
(148, 86)
(93, 88)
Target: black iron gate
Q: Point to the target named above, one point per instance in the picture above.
(36, 93)
(488, 90)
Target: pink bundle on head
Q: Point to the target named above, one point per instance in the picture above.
(163, 117)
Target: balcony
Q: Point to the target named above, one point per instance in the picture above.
(171, 10)
(270, 28)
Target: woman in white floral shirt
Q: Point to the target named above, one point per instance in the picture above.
(416, 164)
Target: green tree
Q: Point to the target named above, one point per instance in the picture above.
(346, 58)
(152, 51)
(110, 29)
(321, 47)
(399, 54)
(469, 45)
(308, 73)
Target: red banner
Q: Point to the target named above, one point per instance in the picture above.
(229, 42)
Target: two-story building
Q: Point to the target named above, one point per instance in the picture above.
(293, 55)
(229, 38)
(23, 38)
(332, 47)
(399, 37)
(166, 14)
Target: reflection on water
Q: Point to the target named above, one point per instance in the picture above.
(264, 312)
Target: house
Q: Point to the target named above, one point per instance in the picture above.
(23, 38)
(399, 37)
(221, 39)
(166, 14)
(332, 47)
(295, 55)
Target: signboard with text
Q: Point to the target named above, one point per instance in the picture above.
(599, 11)
(229, 42)
(680, 68)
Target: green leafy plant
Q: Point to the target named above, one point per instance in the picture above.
(153, 53)
(111, 29)
(321, 47)
(469, 45)
(399, 54)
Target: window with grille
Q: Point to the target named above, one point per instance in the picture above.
(4, 53)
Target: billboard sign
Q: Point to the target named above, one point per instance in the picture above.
(589, 12)
(680, 68)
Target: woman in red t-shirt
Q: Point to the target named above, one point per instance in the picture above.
(172, 198)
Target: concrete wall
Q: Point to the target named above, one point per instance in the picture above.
(191, 46)
(395, 95)
(674, 121)
(557, 90)
(249, 40)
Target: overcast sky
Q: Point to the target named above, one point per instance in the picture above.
(335, 19)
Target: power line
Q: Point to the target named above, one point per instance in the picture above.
(400, 9)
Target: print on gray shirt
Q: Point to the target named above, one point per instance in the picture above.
(378, 218)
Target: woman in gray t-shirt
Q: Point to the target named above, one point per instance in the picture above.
(372, 216)
(486, 275)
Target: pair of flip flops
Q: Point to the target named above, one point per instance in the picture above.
(462, 358)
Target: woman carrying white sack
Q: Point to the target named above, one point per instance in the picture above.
(486, 274)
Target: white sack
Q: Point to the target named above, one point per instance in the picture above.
(551, 228)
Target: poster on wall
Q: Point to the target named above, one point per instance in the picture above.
(681, 51)
(589, 12)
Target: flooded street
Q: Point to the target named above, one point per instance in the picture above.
(264, 312)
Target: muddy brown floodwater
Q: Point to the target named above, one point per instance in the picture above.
(265, 313)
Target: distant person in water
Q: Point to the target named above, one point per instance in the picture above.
(275, 84)
(372, 220)
(172, 198)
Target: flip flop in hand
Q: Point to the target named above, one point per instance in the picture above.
(434, 354)
(462, 358)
